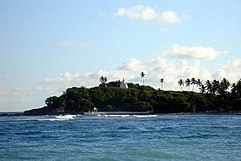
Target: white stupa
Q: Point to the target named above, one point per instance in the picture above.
(123, 84)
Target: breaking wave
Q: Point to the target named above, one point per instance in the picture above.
(137, 116)
(144, 116)
(59, 118)
(117, 115)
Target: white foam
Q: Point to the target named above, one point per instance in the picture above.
(59, 118)
(66, 116)
(116, 115)
(144, 116)
(138, 116)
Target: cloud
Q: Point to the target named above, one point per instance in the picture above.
(194, 52)
(132, 65)
(144, 13)
(219, 74)
(171, 17)
(70, 44)
(64, 80)
(159, 67)
(173, 70)
(236, 64)
(18, 98)
(232, 69)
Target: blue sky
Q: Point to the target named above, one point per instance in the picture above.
(48, 46)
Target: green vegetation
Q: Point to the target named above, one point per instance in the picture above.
(215, 96)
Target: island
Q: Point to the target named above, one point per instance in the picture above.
(214, 97)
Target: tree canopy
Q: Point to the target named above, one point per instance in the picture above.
(218, 96)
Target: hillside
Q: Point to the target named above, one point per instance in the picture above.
(137, 98)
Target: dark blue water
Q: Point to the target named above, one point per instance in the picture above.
(164, 137)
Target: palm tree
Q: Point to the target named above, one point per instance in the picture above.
(202, 88)
(188, 83)
(225, 83)
(223, 87)
(215, 86)
(181, 83)
(103, 80)
(162, 81)
(208, 86)
(236, 89)
(143, 76)
(198, 83)
(193, 82)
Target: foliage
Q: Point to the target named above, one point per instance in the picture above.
(214, 96)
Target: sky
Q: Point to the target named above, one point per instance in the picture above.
(49, 46)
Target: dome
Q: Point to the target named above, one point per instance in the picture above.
(123, 84)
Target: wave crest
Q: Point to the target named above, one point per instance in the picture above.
(60, 118)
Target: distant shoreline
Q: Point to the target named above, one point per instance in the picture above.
(2, 114)
(11, 113)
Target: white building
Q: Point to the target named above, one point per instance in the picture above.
(123, 84)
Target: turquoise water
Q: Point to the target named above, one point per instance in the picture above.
(163, 137)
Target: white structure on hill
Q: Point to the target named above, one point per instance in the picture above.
(123, 84)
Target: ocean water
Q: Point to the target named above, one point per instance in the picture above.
(127, 138)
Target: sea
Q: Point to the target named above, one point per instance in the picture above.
(200, 137)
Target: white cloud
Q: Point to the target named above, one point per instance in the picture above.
(138, 13)
(219, 74)
(18, 98)
(167, 68)
(149, 14)
(121, 12)
(159, 67)
(64, 80)
(206, 75)
(173, 70)
(194, 52)
(132, 65)
(236, 64)
(70, 44)
(69, 77)
(233, 70)
(171, 17)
